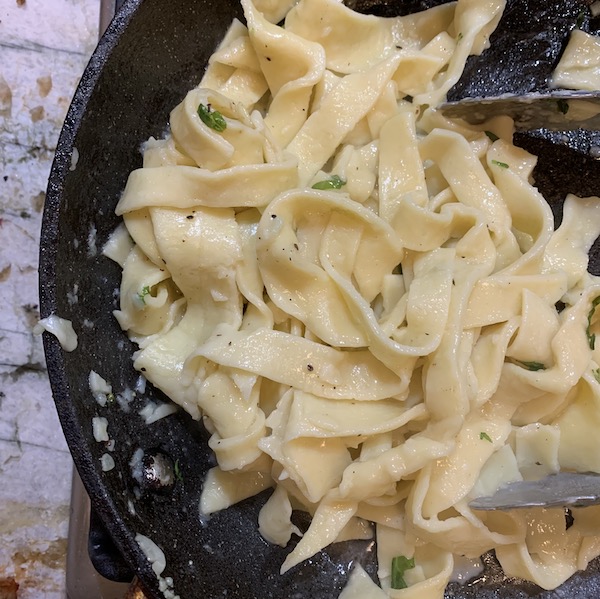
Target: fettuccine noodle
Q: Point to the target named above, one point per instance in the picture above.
(367, 304)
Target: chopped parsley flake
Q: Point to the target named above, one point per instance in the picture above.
(212, 118)
(596, 374)
(400, 564)
(563, 106)
(533, 365)
(143, 293)
(591, 337)
(334, 182)
(492, 135)
(177, 471)
(500, 164)
(485, 437)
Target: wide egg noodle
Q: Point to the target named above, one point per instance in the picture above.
(401, 173)
(531, 560)
(536, 450)
(274, 520)
(233, 69)
(331, 24)
(302, 363)
(222, 489)
(361, 586)
(408, 335)
(472, 25)
(240, 143)
(325, 128)
(292, 66)
(148, 298)
(281, 240)
(578, 65)
(188, 187)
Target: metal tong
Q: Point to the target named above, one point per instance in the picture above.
(564, 489)
(559, 110)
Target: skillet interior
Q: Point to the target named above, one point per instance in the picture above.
(143, 67)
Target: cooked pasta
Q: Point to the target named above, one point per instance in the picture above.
(366, 303)
(579, 66)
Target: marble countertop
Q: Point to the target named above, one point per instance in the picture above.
(44, 47)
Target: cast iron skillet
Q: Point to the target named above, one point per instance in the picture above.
(153, 52)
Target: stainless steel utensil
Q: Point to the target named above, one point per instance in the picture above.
(565, 489)
(560, 110)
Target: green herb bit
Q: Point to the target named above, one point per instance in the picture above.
(533, 365)
(580, 19)
(500, 164)
(459, 37)
(110, 398)
(334, 182)
(485, 437)
(400, 564)
(212, 118)
(492, 135)
(591, 337)
(177, 471)
(143, 293)
(563, 106)
(596, 374)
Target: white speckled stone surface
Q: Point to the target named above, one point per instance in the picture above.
(44, 47)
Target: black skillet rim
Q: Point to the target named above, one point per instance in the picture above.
(48, 255)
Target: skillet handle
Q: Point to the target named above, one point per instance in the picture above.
(104, 555)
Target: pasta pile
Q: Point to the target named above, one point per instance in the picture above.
(367, 303)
